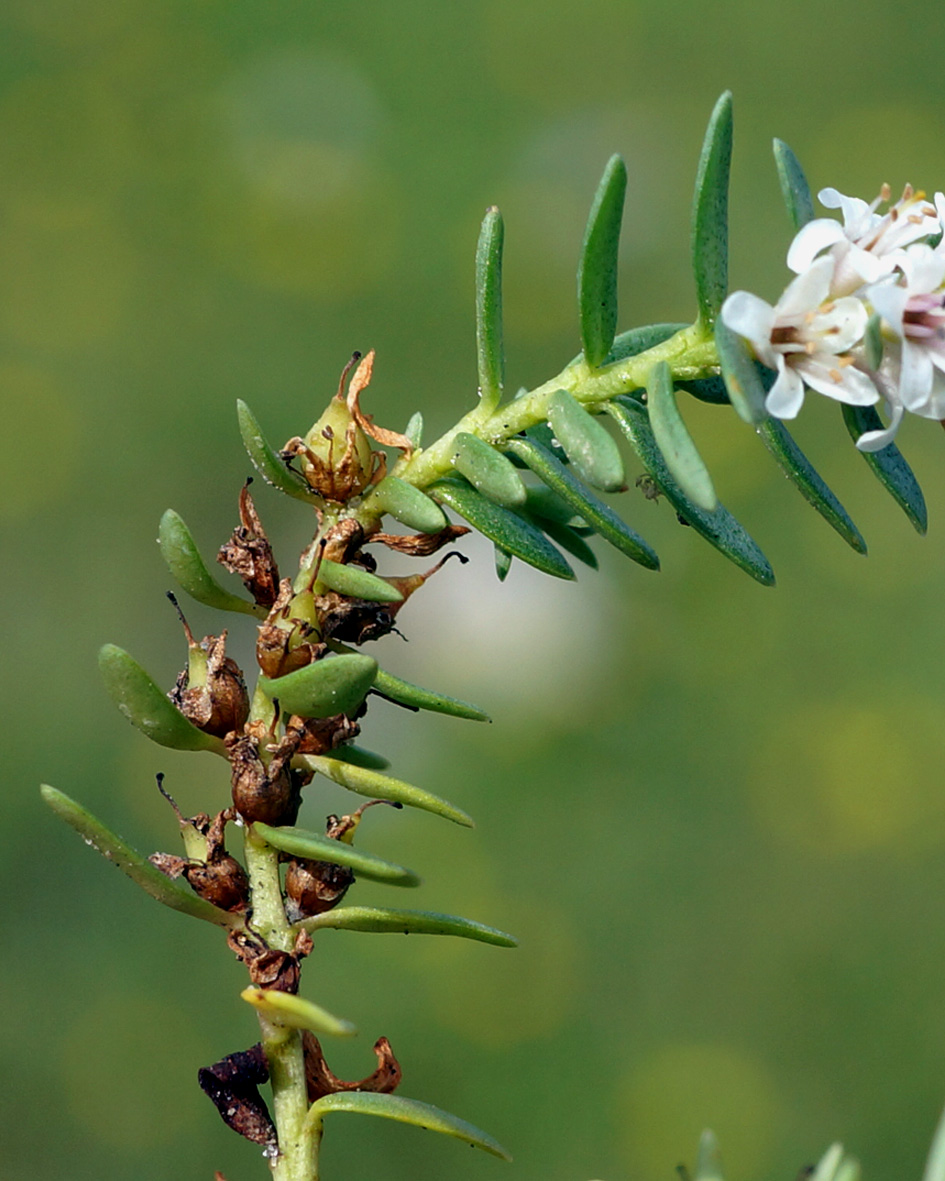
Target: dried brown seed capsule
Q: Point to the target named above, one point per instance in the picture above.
(289, 637)
(210, 692)
(269, 793)
(312, 887)
(249, 554)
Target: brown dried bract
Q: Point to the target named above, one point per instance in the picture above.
(233, 1084)
(421, 545)
(360, 381)
(267, 966)
(320, 736)
(321, 1081)
(249, 554)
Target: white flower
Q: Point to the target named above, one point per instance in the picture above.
(807, 339)
(868, 245)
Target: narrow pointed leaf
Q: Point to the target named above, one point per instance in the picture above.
(849, 1170)
(501, 526)
(572, 543)
(889, 466)
(365, 782)
(503, 563)
(740, 374)
(720, 528)
(296, 1013)
(598, 515)
(873, 341)
(406, 922)
(799, 470)
(591, 449)
(267, 462)
(828, 1164)
(334, 685)
(173, 893)
(487, 470)
(794, 187)
(406, 1111)
(359, 756)
(542, 433)
(547, 505)
(710, 213)
(314, 846)
(709, 1160)
(414, 428)
(491, 362)
(146, 706)
(357, 583)
(674, 441)
(415, 697)
(185, 562)
(409, 505)
(935, 1165)
(597, 274)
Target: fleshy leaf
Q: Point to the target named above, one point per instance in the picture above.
(365, 782)
(710, 213)
(873, 341)
(173, 893)
(409, 505)
(597, 274)
(185, 562)
(416, 697)
(889, 466)
(708, 1160)
(720, 528)
(291, 1010)
(314, 846)
(591, 449)
(146, 706)
(406, 922)
(503, 562)
(324, 688)
(489, 353)
(414, 429)
(267, 462)
(828, 1164)
(487, 470)
(502, 526)
(571, 542)
(356, 583)
(406, 1111)
(598, 515)
(740, 374)
(674, 441)
(799, 470)
(935, 1165)
(794, 187)
(635, 340)
(359, 756)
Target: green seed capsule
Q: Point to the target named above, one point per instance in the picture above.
(179, 550)
(334, 685)
(588, 445)
(409, 505)
(487, 470)
(356, 583)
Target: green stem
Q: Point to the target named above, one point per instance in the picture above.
(298, 1141)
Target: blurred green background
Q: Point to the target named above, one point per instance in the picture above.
(712, 812)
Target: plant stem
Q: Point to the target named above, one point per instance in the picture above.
(298, 1143)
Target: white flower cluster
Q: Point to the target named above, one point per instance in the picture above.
(873, 265)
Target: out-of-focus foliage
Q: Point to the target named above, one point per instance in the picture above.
(712, 813)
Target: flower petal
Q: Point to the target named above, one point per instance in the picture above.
(810, 239)
(786, 396)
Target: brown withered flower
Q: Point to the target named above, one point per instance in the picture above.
(289, 637)
(232, 1084)
(320, 1080)
(210, 691)
(249, 554)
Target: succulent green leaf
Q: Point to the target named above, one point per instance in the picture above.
(849, 1170)
(799, 470)
(889, 466)
(365, 782)
(415, 697)
(710, 213)
(598, 515)
(740, 373)
(828, 1164)
(935, 1165)
(296, 1013)
(173, 893)
(314, 846)
(591, 449)
(503, 563)
(333, 685)
(356, 583)
(674, 441)
(503, 527)
(359, 756)
(597, 273)
(571, 542)
(179, 550)
(491, 361)
(409, 505)
(487, 470)
(406, 922)
(720, 528)
(873, 341)
(547, 505)
(634, 341)
(708, 1160)
(405, 1111)
(267, 462)
(414, 428)
(794, 187)
(146, 706)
